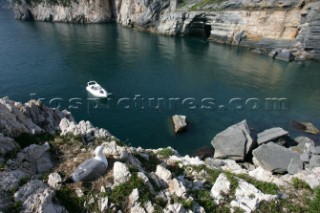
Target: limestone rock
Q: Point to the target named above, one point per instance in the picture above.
(220, 188)
(133, 197)
(271, 134)
(305, 157)
(77, 12)
(103, 204)
(84, 128)
(146, 181)
(32, 117)
(29, 189)
(248, 197)
(315, 150)
(163, 173)
(273, 157)
(304, 144)
(233, 143)
(37, 197)
(214, 162)
(295, 166)
(176, 207)
(314, 161)
(5, 201)
(10, 179)
(34, 158)
(285, 55)
(121, 173)
(310, 176)
(7, 145)
(177, 187)
(180, 123)
(55, 180)
(113, 150)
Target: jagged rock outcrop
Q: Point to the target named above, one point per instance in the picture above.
(7, 145)
(233, 143)
(95, 11)
(37, 197)
(285, 28)
(274, 158)
(34, 159)
(32, 117)
(84, 129)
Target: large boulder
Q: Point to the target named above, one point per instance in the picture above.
(32, 117)
(84, 129)
(34, 158)
(180, 123)
(121, 173)
(37, 197)
(233, 143)
(285, 55)
(10, 180)
(271, 134)
(7, 145)
(273, 157)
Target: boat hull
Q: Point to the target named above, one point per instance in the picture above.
(99, 94)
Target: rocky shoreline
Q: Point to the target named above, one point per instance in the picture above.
(284, 30)
(40, 147)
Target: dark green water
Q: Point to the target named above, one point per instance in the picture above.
(56, 61)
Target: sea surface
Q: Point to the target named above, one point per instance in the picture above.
(152, 77)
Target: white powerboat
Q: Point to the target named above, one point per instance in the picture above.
(96, 90)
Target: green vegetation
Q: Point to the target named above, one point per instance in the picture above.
(265, 187)
(25, 139)
(150, 164)
(300, 184)
(70, 200)
(205, 200)
(212, 174)
(16, 207)
(234, 183)
(187, 203)
(160, 201)
(201, 4)
(165, 153)
(120, 193)
(313, 205)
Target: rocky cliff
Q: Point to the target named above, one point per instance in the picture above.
(35, 166)
(288, 28)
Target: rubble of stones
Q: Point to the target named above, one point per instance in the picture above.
(166, 175)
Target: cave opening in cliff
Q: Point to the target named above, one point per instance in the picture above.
(207, 30)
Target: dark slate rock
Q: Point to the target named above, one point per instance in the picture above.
(273, 157)
(314, 161)
(285, 55)
(295, 166)
(315, 150)
(271, 134)
(305, 157)
(233, 143)
(304, 144)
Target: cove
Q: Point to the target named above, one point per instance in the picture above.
(56, 61)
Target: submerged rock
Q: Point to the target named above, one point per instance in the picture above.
(233, 143)
(273, 157)
(180, 123)
(285, 55)
(306, 127)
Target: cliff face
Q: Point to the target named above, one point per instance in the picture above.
(270, 26)
(82, 11)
